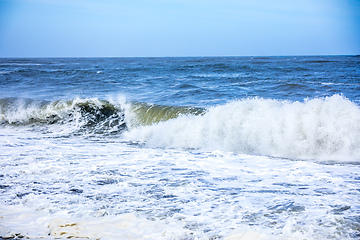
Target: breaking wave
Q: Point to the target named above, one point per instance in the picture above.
(322, 128)
(148, 114)
(91, 115)
(84, 114)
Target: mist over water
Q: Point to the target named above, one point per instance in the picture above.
(180, 148)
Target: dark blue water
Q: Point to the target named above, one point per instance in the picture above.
(182, 81)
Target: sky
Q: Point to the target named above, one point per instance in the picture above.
(171, 28)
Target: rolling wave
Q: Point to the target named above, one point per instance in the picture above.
(86, 114)
(321, 128)
(92, 115)
(148, 114)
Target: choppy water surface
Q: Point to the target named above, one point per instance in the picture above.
(180, 148)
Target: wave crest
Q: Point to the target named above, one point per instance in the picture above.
(91, 115)
(86, 114)
(323, 128)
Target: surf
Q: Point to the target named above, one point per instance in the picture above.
(320, 128)
(88, 114)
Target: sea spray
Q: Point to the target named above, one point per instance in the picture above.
(321, 128)
(89, 115)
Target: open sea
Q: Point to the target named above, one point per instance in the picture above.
(229, 148)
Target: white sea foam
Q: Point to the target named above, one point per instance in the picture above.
(321, 129)
(25, 222)
(104, 188)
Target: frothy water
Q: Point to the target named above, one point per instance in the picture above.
(315, 129)
(68, 188)
(320, 129)
(189, 148)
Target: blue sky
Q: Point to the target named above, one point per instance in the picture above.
(158, 28)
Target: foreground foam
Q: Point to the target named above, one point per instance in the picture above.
(23, 222)
(322, 129)
(47, 183)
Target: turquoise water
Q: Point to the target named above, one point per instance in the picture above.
(180, 148)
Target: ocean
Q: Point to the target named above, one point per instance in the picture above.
(180, 148)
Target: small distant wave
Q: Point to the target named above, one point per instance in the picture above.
(262, 58)
(320, 129)
(291, 87)
(318, 61)
(20, 64)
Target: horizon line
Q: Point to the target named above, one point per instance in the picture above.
(215, 56)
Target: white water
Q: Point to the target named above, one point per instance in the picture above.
(55, 185)
(320, 129)
(74, 187)
(24, 111)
